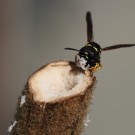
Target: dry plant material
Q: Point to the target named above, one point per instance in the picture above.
(55, 101)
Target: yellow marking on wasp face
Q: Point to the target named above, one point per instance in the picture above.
(88, 44)
(87, 57)
(86, 53)
(95, 49)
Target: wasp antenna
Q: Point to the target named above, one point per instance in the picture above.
(117, 46)
(72, 49)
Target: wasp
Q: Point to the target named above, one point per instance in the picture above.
(89, 55)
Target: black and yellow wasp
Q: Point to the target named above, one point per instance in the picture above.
(89, 55)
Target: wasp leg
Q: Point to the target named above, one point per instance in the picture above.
(94, 69)
(76, 60)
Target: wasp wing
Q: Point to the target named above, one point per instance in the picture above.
(89, 27)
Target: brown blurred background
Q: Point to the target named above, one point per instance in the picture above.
(35, 32)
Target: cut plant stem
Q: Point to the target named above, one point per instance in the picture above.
(56, 101)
